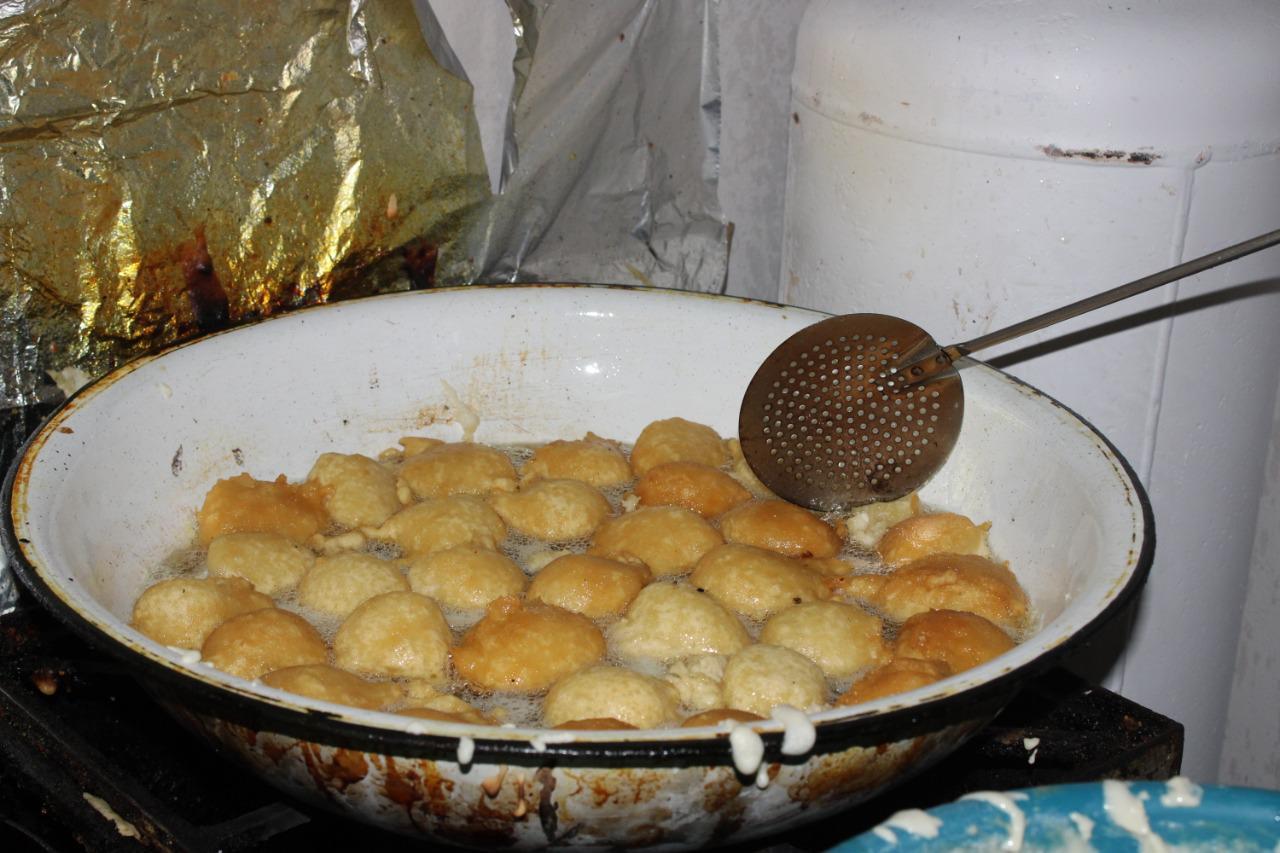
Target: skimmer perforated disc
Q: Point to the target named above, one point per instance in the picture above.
(829, 421)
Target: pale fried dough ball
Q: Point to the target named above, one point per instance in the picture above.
(866, 524)
(458, 468)
(358, 491)
(253, 644)
(330, 684)
(677, 440)
(553, 510)
(183, 611)
(827, 566)
(742, 472)
(592, 460)
(697, 680)
(464, 714)
(705, 490)
(666, 622)
(269, 561)
(756, 582)
(960, 640)
(396, 635)
(435, 525)
(760, 677)
(954, 582)
(667, 539)
(611, 691)
(525, 647)
(594, 724)
(840, 638)
(592, 586)
(897, 676)
(716, 716)
(935, 533)
(466, 577)
(782, 527)
(242, 504)
(338, 584)
(415, 444)
(862, 586)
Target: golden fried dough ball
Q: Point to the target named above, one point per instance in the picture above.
(716, 716)
(460, 468)
(666, 622)
(840, 638)
(242, 504)
(954, 582)
(269, 561)
(960, 640)
(705, 490)
(396, 635)
(330, 684)
(553, 510)
(897, 676)
(935, 533)
(252, 644)
(422, 697)
(435, 525)
(696, 680)
(592, 460)
(182, 612)
(866, 524)
(414, 444)
(465, 577)
(525, 647)
(831, 567)
(359, 492)
(338, 584)
(467, 715)
(756, 582)
(760, 677)
(611, 691)
(782, 527)
(592, 586)
(667, 539)
(594, 724)
(742, 472)
(677, 440)
(862, 586)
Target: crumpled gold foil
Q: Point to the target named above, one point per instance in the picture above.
(168, 167)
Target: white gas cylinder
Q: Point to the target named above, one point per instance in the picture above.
(969, 164)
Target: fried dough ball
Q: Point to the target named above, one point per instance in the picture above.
(330, 684)
(468, 714)
(396, 635)
(592, 460)
(666, 622)
(782, 527)
(716, 716)
(696, 680)
(840, 638)
(866, 524)
(667, 539)
(755, 582)
(252, 644)
(182, 612)
(954, 582)
(338, 584)
(414, 445)
(595, 724)
(960, 640)
(935, 533)
(742, 472)
(897, 676)
(269, 561)
(442, 523)
(611, 691)
(242, 504)
(553, 510)
(459, 468)
(831, 567)
(525, 647)
(677, 440)
(592, 586)
(466, 577)
(705, 490)
(428, 703)
(760, 677)
(358, 491)
(862, 586)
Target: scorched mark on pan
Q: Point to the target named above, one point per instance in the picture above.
(1106, 155)
(175, 465)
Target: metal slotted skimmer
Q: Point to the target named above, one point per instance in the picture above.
(867, 407)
